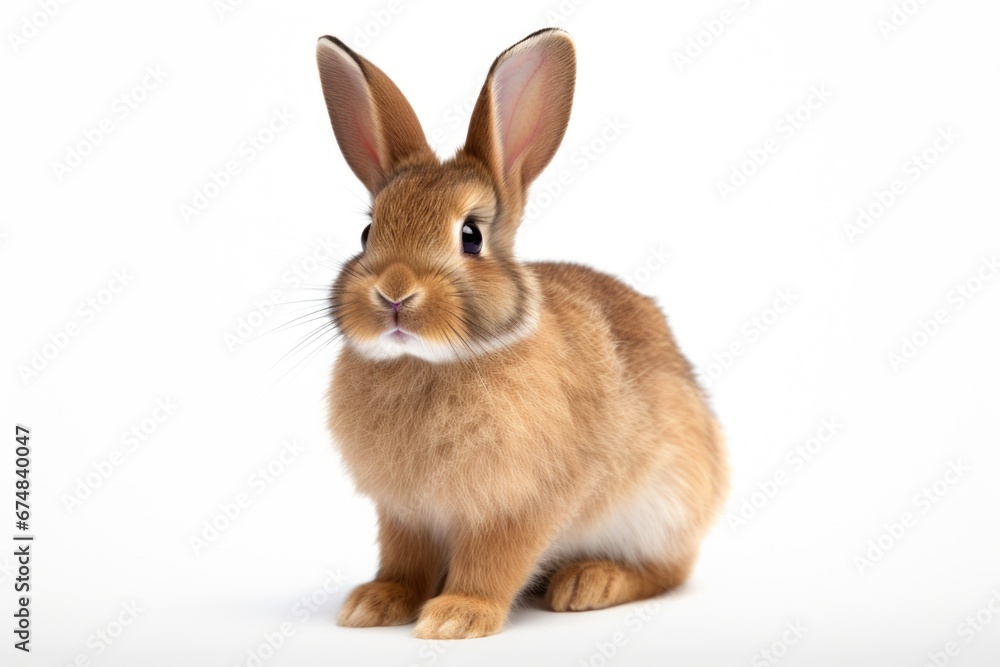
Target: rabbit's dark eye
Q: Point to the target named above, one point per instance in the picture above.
(472, 238)
(364, 236)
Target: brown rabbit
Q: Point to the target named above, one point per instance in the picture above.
(515, 424)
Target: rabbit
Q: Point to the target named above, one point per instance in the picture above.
(519, 426)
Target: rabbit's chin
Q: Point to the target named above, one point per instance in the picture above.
(395, 344)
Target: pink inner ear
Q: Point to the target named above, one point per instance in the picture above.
(520, 100)
(367, 140)
(359, 111)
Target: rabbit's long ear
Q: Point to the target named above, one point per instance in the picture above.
(522, 112)
(375, 126)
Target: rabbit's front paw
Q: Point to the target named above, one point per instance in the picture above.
(459, 617)
(378, 603)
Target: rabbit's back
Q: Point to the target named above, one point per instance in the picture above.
(670, 450)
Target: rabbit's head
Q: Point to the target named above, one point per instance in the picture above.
(436, 278)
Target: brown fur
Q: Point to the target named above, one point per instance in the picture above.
(562, 396)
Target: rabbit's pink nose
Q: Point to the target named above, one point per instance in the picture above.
(396, 285)
(396, 303)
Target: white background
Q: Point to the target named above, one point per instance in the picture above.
(672, 131)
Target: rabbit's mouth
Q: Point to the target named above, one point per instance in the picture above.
(400, 336)
(395, 342)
